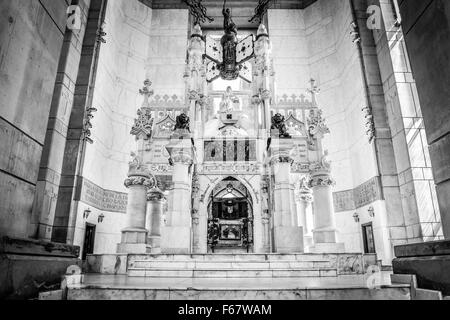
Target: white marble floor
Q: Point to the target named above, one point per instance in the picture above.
(124, 282)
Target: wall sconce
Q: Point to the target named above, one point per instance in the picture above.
(356, 217)
(101, 217)
(371, 211)
(86, 213)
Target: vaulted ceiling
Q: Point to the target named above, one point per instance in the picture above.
(242, 10)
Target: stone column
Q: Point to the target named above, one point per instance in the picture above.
(266, 230)
(304, 201)
(325, 234)
(155, 204)
(176, 236)
(288, 236)
(134, 236)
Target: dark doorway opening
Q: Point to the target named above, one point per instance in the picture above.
(89, 240)
(369, 240)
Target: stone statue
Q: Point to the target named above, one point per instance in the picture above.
(278, 123)
(228, 25)
(136, 162)
(229, 99)
(229, 69)
(182, 123)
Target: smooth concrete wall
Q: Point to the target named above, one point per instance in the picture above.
(31, 37)
(426, 25)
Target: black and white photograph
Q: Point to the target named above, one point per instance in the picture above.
(237, 151)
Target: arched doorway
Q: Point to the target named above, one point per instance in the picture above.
(230, 218)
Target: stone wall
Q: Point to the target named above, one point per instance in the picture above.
(142, 43)
(409, 140)
(315, 43)
(120, 74)
(31, 37)
(426, 25)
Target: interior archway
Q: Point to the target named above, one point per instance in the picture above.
(230, 217)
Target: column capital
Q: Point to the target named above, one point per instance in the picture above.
(145, 181)
(182, 158)
(305, 196)
(155, 194)
(321, 180)
(281, 159)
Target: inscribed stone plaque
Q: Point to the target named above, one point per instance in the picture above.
(101, 199)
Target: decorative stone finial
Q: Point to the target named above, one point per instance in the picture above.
(262, 31)
(316, 123)
(197, 30)
(143, 125)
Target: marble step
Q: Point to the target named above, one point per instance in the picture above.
(249, 265)
(241, 294)
(234, 257)
(224, 273)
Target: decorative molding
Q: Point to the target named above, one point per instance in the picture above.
(321, 181)
(139, 181)
(143, 125)
(167, 102)
(230, 168)
(155, 194)
(316, 123)
(182, 158)
(293, 102)
(281, 159)
(361, 196)
(370, 124)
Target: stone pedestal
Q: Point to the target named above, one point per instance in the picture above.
(134, 236)
(288, 236)
(176, 235)
(324, 233)
(155, 204)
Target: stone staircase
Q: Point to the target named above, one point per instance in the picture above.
(232, 266)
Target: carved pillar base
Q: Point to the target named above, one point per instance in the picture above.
(288, 239)
(134, 241)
